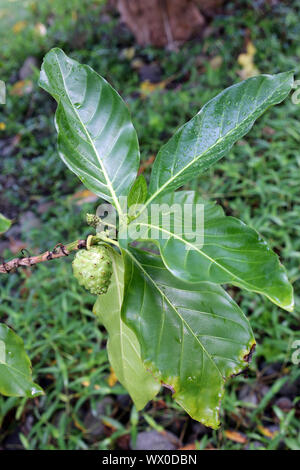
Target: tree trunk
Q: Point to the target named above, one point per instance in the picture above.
(165, 22)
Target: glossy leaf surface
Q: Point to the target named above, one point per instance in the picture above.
(96, 138)
(232, 252)
(123, 347)
(210, 134)
(138, 192)
(192, 336)
(15, 367)
(4, 224)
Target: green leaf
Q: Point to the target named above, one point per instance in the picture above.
(192, 336)
(15, 367)
(138, 192)
(4, 224)
(210, 134)
(232, 252)
(96, 138)
(123, 347)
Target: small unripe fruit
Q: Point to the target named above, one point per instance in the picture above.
(93, 269)
(93, 220)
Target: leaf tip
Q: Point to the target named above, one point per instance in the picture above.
(290, 306)
(35, 391)
(287, 302)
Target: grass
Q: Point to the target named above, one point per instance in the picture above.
(258, 182)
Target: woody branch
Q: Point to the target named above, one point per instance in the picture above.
(58, 251)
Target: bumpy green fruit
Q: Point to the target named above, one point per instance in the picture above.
(93, 269)
(93, 220)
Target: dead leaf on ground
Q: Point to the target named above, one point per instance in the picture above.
(19, 26)
(146, 88)
(236, 436)
(128, 53)
(112, 378)
(146, 164)
(267, 432)
(216, 62)
(21, 88)
(246, 60)
(188, 447)
(86, 383)
(84, 196)
(78, 425)
(108, 424)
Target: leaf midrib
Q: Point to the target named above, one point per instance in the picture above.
(239, 281)
(175, 310)
(122, 334)
(205, 152)
(113, 194)
(120, 320)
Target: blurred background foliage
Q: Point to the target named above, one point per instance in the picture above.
(259, 182)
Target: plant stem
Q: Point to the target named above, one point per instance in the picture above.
(108, 240)
(58, 251)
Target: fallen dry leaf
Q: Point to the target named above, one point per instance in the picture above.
(128, 53)
(21, 88)
(146, 164)
(266, 432)
(19, 26)
(112, 378)
(188, 447)
(78, 425)
(146, 87)
(236, 436)
(86, 383)
(246, 60)
(84, 196)
(108, 424)
(216, 62)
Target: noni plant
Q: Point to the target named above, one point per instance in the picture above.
(160, 254)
